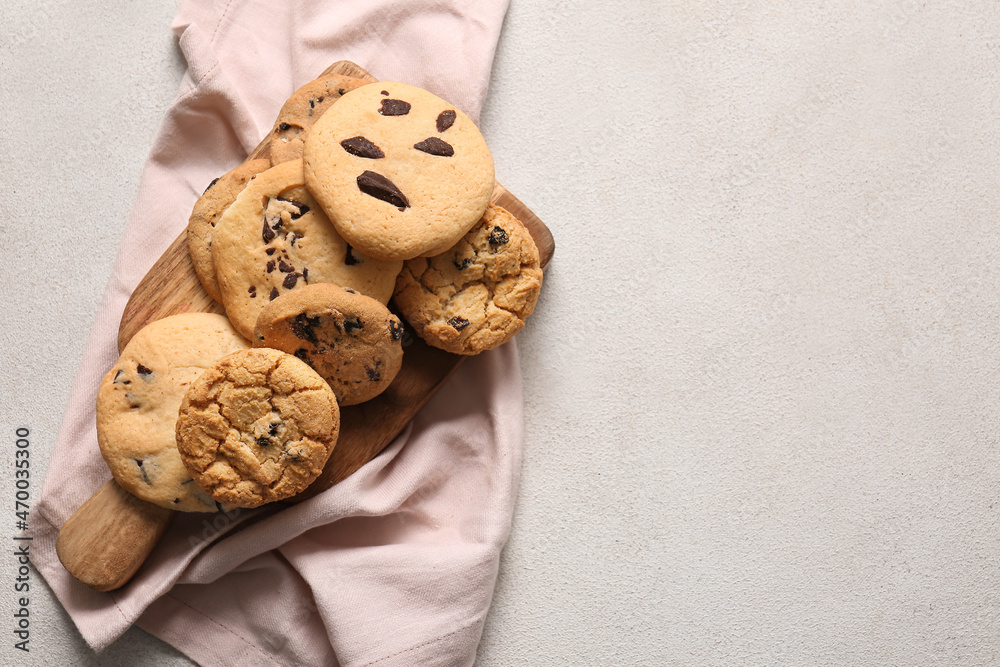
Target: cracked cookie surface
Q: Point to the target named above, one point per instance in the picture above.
(138, 399)
(301, 111)
(258, 427)
(401, 172)
(217, 197)
(275, 238)
(350, 339)
(476, 295)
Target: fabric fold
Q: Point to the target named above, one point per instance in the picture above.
(396, 564)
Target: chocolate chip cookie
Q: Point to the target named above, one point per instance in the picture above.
(275, 238)
(350, 339)
(302, 110)
(400, 172)
(476, 295)
(257, 427)
(137, 406)
(217, 197)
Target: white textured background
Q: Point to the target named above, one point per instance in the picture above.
(761, 387)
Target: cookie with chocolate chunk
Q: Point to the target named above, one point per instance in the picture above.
(217, 197)
(400, 172)
(257, 427)
(137, 405)
(275, 238)
(476, 295)
(350, 339)
(302, 110)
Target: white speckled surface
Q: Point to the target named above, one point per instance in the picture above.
(761, 392)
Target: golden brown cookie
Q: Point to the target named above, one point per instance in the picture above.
(400, 172)
(302, 110)
(476, 295)
(137, 406)
(257, 427)
(219, 194)
(350, 339)
(275, 238)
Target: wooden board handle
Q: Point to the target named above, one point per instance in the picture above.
(110, 536)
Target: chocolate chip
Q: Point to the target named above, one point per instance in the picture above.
(118, 379)
(349, 258)
(143, 371)
(252, 291)
(267, 233)
(270, 251)
(273, 430)
(395, 330)
(284, 127)
(274, 293)
(263, 441)
(270, 266)
(385, 92)
(464, 264)
(362, 148)
(305, 274)
(435, 146)
(290, 280)
(458, 322)
(380, 187)
(445, 120)
(302, 327)
(302, 354)
(142, 471)
(302, 208)
(285, 267)
(498, 236)
(394, 107)
(352, 324)
(373, 374)
(214, 181)
(349, 290)
(176, 501)
(341, 91)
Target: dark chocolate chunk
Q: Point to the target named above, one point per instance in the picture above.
(305, 274)
(302, 327)
(270, 266)
(445, 120)
(267, 233)
(302, 354)
(142, 471)
(349, 258)
(373, 374)
(341, 91)
(284, 127)
(214, 181)
(263, 441)
(252, 291)
(464, 264)
(285, 267)
(270, 251)
(392, 107)
(458, 322)
(291, 279)
(303, 208)
(118, 376)
(435, 146)
(352, 324)
(378, 186)
(395, 330)
(143, 371)
(274, 293)
(177, 501)
(385, 92)
(498, 236)
(273, 430)
(362, 148)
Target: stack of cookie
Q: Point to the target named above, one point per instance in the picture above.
(374, 196)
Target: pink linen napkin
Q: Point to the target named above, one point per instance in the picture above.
(395, 565)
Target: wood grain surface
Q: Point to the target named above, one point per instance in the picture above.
(107, 539)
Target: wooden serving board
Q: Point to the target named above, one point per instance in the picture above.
(108, 538)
